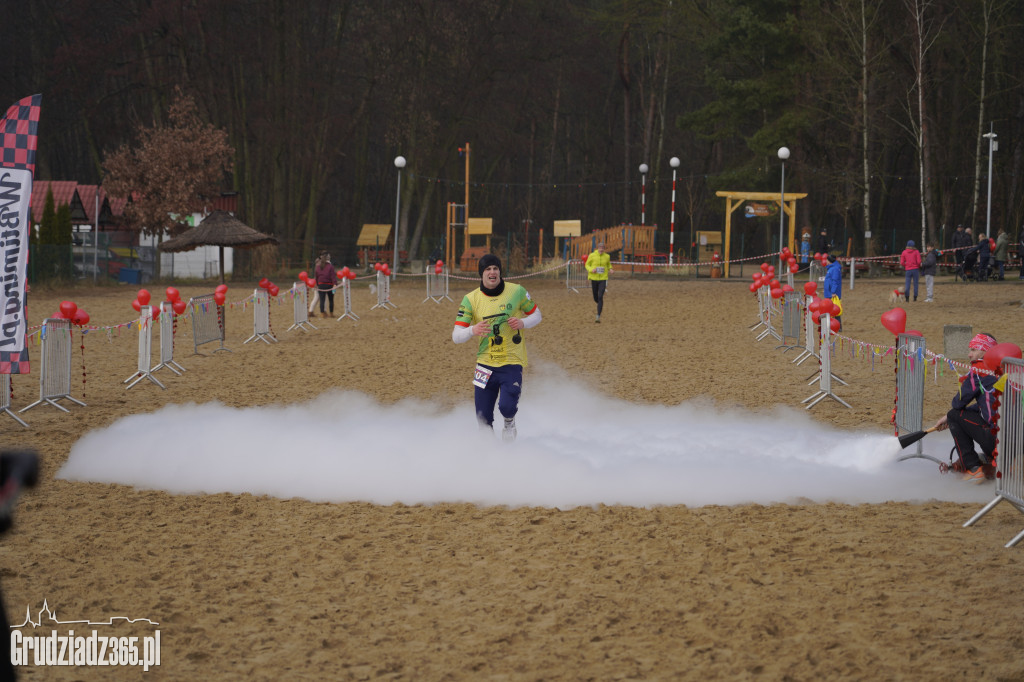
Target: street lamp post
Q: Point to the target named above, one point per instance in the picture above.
(992, 146)
(643, 193)
(399, 164)
(674, 162)
(783, 155)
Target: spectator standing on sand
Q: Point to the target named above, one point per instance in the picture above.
(929, 265)
(823, 242)
(961, 242)
(999, 256)
(910, 259)
(833, 288)
(984, 255)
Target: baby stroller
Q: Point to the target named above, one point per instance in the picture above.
(967, 271)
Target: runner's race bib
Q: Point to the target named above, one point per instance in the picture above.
(481, 376)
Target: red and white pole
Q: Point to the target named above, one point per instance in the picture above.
(674, 162)
(643, 193)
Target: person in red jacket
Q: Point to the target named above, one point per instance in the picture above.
(326, 279)
(910, 259)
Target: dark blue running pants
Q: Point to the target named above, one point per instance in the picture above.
(503, 388)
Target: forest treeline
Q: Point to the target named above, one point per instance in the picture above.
(884, 105)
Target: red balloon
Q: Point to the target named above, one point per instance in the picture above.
(794, 268)
(833, 324)
(311, 283)
(777, 293)
(764, 267)
(814, 305)
(826, 307)
(137, 306)
(791, 260)
(785, 252)
(438, 269)
(786, 288)
(143, 297)
(810, 288)
(439, 263)
(221, 289)
(179, 306)
(816, 317)
(377, 266)
(774, 283)
(264, 283)
(351, 275)
(995, 355)
(303, 275)
(155, 311)
(345, 271)
(895, 320)
(754, 286)
(340, 274)
(273, 290)
(58, 316)
(219, 297)
(80, 318)
(913, 332)
(172, 294)
(68, 309)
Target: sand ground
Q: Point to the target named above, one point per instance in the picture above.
(248, 587)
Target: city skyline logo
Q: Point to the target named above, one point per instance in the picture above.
(51, 616)
(59, 645)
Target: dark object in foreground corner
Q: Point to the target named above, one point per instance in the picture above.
(18, 469)
(911, 438)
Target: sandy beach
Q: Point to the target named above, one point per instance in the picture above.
(248, 586)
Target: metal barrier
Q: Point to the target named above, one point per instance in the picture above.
(383, 292)
(300, 306)
(810, 347)
(55, 365)
(346, 300)
(765, 303)
(437, 285)
(576, 275)
(145, 350)
(207, 321)
(792, 309)
(261, 317)
(762, 309)
(167, 340)
(816, 272)
(910, 368)
(1009, 446)
(5, 399)
(826, 376)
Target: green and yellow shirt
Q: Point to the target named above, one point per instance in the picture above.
(497, 310)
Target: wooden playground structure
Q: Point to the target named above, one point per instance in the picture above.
(734, 200)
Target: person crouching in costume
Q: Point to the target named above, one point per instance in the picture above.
(492, 314)
(970, 420)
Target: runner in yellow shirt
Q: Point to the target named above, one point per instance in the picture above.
(599, 265)
(491, 313)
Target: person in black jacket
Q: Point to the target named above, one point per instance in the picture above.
(1020, 252)
(823, 242)
(971, 417)
(961, 241)
(984, 252)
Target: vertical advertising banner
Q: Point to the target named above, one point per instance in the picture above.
(18, 131)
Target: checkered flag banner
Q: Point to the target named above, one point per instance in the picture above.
(18, 130)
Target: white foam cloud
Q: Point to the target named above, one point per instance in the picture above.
(575, 447)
